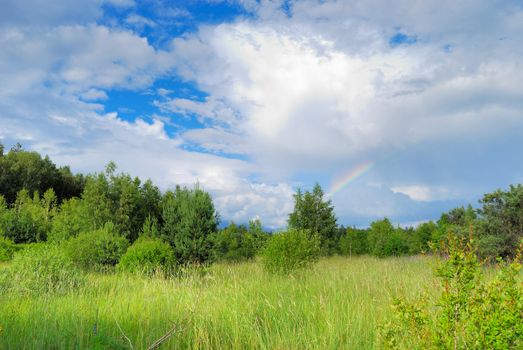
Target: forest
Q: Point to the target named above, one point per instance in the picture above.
(63, 233)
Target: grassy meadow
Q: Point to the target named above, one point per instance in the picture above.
(338, 304)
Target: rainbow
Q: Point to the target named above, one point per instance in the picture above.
(352, 175)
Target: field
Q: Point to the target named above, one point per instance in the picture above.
(338, 304)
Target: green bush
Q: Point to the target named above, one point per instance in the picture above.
(97, 250)
(41, 268)
(291, 250)
(7, 249)
(147, 255)
(470, 312)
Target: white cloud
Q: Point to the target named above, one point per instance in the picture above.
(304, 104)
(422, 193)
(93, 95)
(139, 21)
(77, 58)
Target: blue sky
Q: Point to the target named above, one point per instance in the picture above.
(253, 99)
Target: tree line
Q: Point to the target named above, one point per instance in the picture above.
(101, 217)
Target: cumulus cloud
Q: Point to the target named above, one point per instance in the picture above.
(313, 103)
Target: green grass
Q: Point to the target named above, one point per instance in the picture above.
(336, 305)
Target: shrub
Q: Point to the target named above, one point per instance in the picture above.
(41, 268)
(469, 313)
(7, 249)
(291, 250)
(97, 250)
(147, 255)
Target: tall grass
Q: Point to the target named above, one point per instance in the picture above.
(336, 305)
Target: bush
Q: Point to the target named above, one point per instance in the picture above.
(147, 255)
(291, 250)
(470, 313)
(7, 249)
(41, 268)
(97, 250)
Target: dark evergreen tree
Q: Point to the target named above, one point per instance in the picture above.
(190, 221)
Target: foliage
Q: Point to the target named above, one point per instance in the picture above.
(190, 221)
(42, 268)
(120, 199)
(459, 221)
(234, 243)
(21, 169)
(259, 236)
(7, 249)
(469, 313)
(421, 237)
(385, 240)
(501, 224)
(69, 221)
(30, 218)
(291, 250)
(313, 213)
(150, 228)
(97, 250)
(354, 242)
(147, 255)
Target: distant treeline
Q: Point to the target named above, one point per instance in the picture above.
(42, 203)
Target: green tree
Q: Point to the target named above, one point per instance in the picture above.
(316, 215)
(259, 236)
(98, 208)
(69, 221)
(234, 243)
(29, 220)
(20, 169)
(385, 240)
(190, 221)
(421, 237)
(354, 242)
(501, 225)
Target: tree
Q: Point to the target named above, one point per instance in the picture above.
(21, 169)
(69, 221)
(421, 237)
(385, 240)
(354, 242)
(316, 215)
(234, 243)
(259, 236)
(29, 220)
(190, 221)
(501, 224)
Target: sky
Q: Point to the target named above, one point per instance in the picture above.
(401, 110)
